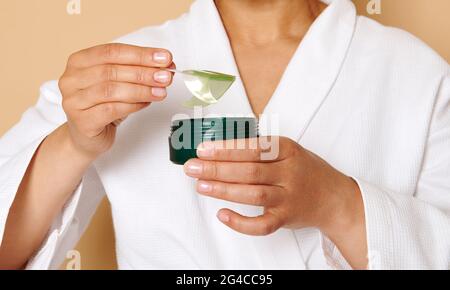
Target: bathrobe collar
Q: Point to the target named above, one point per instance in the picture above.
(307, 80)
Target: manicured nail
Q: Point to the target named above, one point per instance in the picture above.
(161, 57)
(159, 92)
(193, 167)
(204, 187)
(162, 76)
(206, 150)
(223, 217)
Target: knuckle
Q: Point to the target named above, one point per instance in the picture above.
(109, 89)
(111, 51)
(225, 153)
(261, 197)
(142, 56)
(140, 92)
(66, 105)
(221, 191)
(254, 172)
(109, 73)
(62, 83)
(271, 228)
(71, 60)
(290, 146)
(268, 228)
(141, 75)
(109, 109)
(212, 169)
(144, 93)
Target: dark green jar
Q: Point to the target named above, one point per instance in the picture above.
(187, 134)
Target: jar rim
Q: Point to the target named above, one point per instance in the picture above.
(209, 122)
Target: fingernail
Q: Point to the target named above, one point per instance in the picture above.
(204, 187)
(206, 150)
(193, 167)
(161, 57)
(162, 76)
(159, 92)
(223, 217)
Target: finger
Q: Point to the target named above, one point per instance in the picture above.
(245, 150)
(87, 77)
(111, 92)
(117, 53)
(102, 115)
(255, 226)
(233, 172)
(259, 195)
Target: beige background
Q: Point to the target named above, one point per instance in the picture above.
(36, 36)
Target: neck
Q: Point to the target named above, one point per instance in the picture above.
(261, 22)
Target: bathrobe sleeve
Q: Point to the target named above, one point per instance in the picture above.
(413, 232)
(17, 148)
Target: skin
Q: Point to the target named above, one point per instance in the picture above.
(264, 35)
(103, 85)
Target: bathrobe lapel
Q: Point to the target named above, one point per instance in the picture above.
(307, 81)
(313, 70)
(304, 86)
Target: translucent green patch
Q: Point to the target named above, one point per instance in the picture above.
(207, 87)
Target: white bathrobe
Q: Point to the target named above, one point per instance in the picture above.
(372, 101)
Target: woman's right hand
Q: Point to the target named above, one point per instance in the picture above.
(104, 84)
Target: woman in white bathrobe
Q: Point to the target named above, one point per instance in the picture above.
(373, 102)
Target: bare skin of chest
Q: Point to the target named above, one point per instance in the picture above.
(261, 69)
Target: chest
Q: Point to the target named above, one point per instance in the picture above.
(261, 69)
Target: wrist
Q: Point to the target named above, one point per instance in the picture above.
(346, 208)
(70, 149)
(346, 227)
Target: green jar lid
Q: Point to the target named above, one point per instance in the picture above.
(187, 134)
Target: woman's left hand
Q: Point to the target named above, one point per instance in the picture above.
(297, 189)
